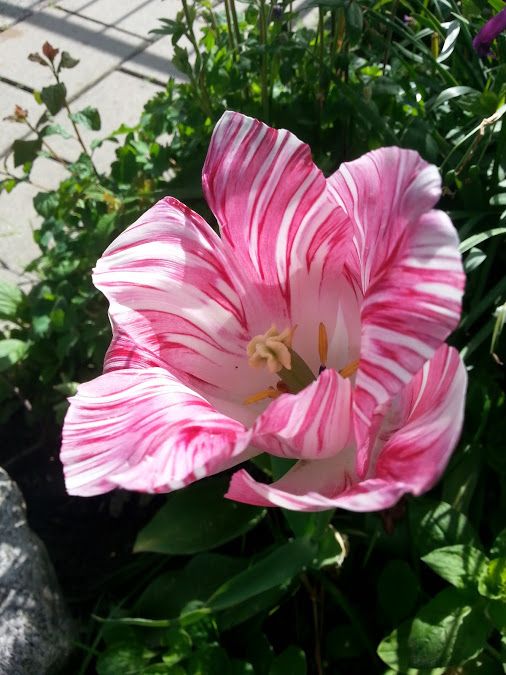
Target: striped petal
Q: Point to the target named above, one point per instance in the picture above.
(274, 210)
(294, 494)
(144, 430)
(175, 293)
(409, 453)
(406, 260)
(425, 425)
(315, 423)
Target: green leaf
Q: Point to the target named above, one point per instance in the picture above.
(292, 660)
(436, 525)
(11, 351)
(26, 151)
(450, 40)
(67, 61)
(10, 299)
(196, 519)
(54, 97)
(126, 659)
(398, 590)
(46, 203)
(180, 646)
(354, 21)
(460, 565)
(55, 130)
(492, 583)
(476, 239)
(172, 591)
(474, 259)
(498, 549)
(446, 632)
(449, 94)
(87, 117)
(273, 570)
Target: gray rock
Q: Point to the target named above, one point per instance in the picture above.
(35, 627)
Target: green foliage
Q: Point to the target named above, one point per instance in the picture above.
(187, 523)
(227, 589)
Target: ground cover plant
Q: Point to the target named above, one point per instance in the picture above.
(216, 586)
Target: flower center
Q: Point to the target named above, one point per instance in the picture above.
(273, 350)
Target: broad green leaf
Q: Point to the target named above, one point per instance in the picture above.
(87, 117)
(54, 97)
(498, 549)
(492, 583)
(354, 20)
(11, 351)
(272, 571)
(196, 519)
(436, 525)
(10, 299)
(25, 151)
(172, 591)
(398, 590)
(292, 661)
(126, 659)
(460, 565)
(180, 645)
(446, 632)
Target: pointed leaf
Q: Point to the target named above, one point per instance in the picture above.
(196, 519)
(87, 117)
(275, 569)
(26, 151)
(10, 299)
(11, 351)
(460, 565)
(54, 97)
(446, 632)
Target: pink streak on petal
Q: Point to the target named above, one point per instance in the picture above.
(176, 293)
(429, 423)
(315, 423)
(272, 204)
(370, 495)
(406, 259)
(144, 430)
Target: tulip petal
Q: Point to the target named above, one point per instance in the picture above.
(406, 260)
(425, 425)
(141, 429)
(317, 485)
(175, 293)
(315, 423)
(411, 451)
(274, 209)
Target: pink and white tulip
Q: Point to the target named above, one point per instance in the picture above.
(312, 329)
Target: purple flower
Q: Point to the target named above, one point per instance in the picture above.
(488, 33)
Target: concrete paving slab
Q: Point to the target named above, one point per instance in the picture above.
(10, 12)
(99, 48)
(109, 97)
(18, 219)
(134, 16)
(155, 62)
(10, 97)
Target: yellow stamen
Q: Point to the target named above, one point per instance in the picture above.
(262, 395)
(350, 369)
(323, 344)
(272, 349)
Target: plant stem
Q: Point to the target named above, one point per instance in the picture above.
(53, 154)
(230, 30)
(235, 22)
